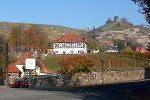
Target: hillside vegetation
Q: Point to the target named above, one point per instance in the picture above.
(53, 31)
(115, 27)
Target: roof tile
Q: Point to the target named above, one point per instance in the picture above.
(12, 68)
(70, 38)
(22, 59)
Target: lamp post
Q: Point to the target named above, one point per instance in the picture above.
(94, 76)
(102, 61)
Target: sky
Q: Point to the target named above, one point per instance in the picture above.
(80, 14)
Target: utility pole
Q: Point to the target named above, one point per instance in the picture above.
(6, 64)
(102, 61)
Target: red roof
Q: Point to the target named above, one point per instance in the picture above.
(22, 59)
(12, 68)
(39, 63)
(140, 49)
(109, 43)
(70, 38)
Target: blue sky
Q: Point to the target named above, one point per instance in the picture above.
(70, 13)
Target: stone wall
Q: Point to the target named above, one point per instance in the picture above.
(86, 79)
(105, 77)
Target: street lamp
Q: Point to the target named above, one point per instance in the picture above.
(94, 76)
(102, 61)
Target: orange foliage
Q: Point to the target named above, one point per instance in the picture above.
(76, 63)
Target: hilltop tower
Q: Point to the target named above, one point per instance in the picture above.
(116, 19)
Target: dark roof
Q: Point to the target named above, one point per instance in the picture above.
(112, 48)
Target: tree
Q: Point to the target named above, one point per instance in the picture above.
(43, 41)
(123, 20)
(2, 62)
(15, 37)
(76, 63)
(94, 33)
(30, 38)
(109, 21)
(128, 49)
(50, 43)
(41, 36)
(145, 8)
(2, 44)
(119, 43)
(92, 44)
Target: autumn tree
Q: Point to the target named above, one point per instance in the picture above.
(15, 37)
(41, 36)
(76, 63)
(30, 38)
(145, 8)
(127, 49)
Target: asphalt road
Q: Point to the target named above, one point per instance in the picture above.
(123, 91)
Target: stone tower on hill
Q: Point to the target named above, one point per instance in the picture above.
(116, 19)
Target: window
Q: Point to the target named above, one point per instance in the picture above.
(56, 52)
(79, 44)
(64, 45)
(56, 45)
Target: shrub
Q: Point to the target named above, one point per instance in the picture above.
(76, 63)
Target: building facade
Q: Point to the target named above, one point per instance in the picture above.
(70, 44)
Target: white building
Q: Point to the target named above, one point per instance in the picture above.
(17, 69)
(70, 44)
(112, 49)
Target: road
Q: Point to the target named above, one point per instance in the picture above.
(121, 91)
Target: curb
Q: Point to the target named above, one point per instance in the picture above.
(3, 86)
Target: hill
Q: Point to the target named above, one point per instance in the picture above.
(136, 35)
(111, 30)
(53, 31)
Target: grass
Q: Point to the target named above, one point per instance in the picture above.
(52, 62)
(115, 27)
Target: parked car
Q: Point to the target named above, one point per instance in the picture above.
(19, 84)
